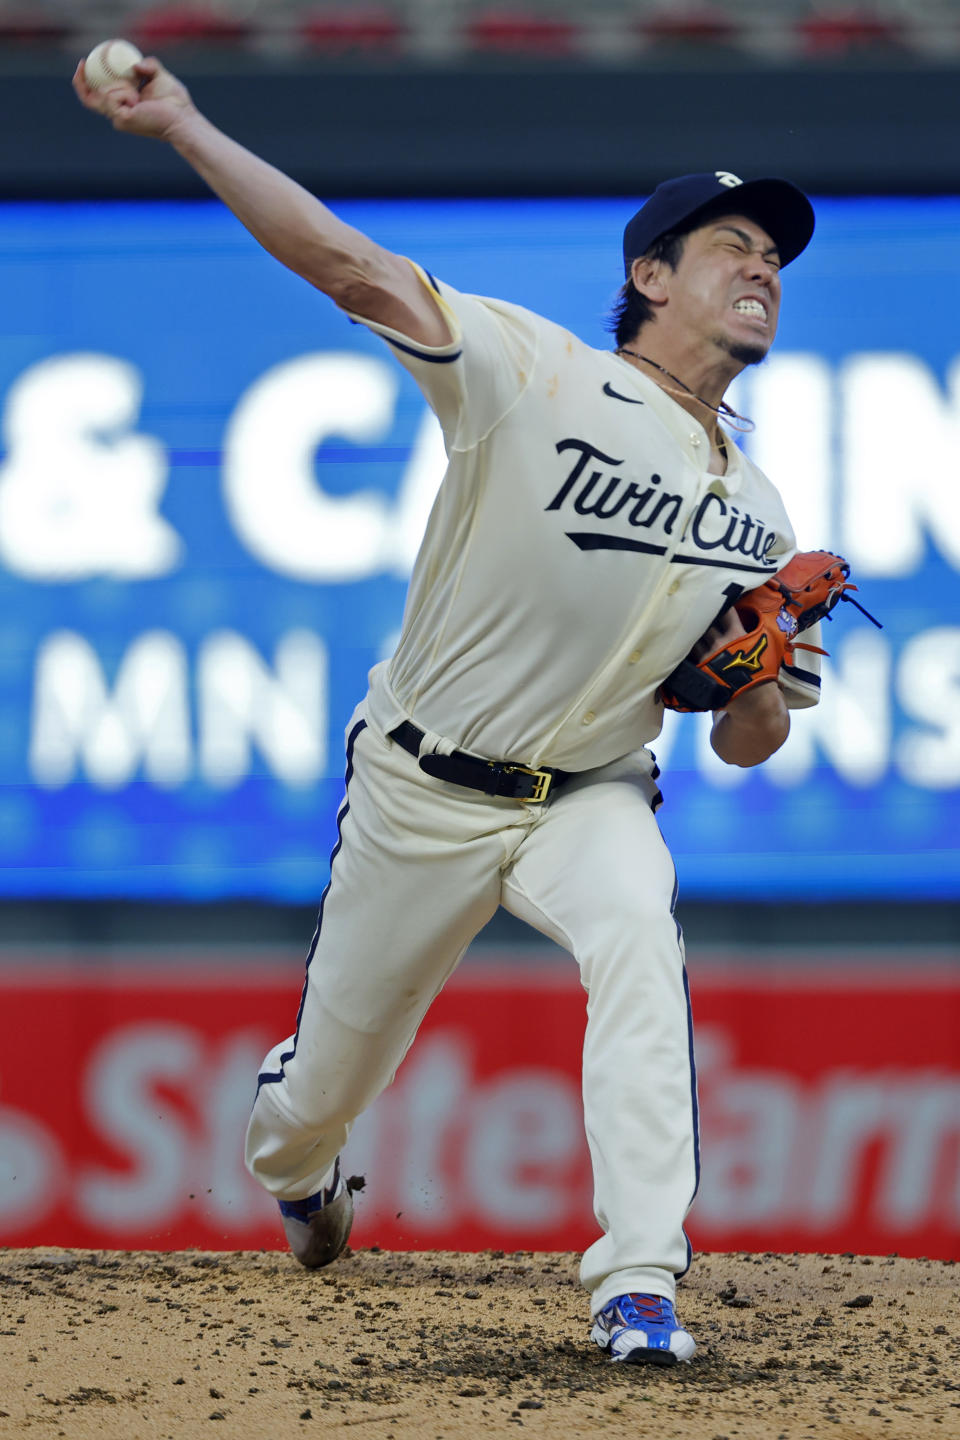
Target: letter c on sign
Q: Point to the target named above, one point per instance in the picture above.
(276, 507)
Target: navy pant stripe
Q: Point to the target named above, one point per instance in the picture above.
(693, 1068)
(266, 1078)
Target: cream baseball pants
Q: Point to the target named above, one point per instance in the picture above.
(419, 867)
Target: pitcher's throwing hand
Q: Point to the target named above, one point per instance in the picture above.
(148, 104)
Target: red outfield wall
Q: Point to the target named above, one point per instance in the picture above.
(830, 1110)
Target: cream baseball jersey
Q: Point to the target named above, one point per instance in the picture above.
(577, 549)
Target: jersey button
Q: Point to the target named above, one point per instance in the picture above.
(695, 441)
(674, 588)
(633, 657)
(589, 718)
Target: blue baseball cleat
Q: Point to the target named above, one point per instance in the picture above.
(642, 1329)
(318, 1227)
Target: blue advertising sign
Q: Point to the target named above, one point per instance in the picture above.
(212, 488)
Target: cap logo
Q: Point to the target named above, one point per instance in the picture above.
(726, 177)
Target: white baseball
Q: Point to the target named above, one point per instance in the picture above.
(110, 63)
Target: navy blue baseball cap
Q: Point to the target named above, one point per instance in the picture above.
(691, 200)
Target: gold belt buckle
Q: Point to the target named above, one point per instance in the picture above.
(544, 780)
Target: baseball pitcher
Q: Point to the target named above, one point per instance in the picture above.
(599, 548)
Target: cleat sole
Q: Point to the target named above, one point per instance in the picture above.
(641, 1356)
(320, 1240)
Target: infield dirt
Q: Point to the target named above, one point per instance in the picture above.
(393, 1346)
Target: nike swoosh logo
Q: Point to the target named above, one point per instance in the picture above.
(615, 395)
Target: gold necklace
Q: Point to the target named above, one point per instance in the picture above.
(723, 410)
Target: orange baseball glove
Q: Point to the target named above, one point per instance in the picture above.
(773, 615)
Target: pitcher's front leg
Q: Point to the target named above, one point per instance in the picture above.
(597, 877)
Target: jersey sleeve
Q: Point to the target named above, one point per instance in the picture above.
(473, 381)
(800, 681)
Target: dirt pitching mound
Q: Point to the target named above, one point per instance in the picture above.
(395, 1346)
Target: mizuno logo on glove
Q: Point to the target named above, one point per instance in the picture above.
(752, 660)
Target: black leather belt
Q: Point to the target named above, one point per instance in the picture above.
(493, 777)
